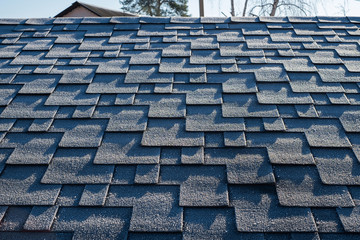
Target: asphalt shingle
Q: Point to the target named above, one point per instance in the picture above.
(289, 148)
(199, 186)
(91, 223)
(301, 186)
(109, 65)
(41, 218)
(257, 210)
(180, 128)
(122, 148)
(71, 95)
(161, 132)
(209, 119)
(23, 106)
(29, 190)
(111, 83)
(37, 148)
(241, 105)
(147, 74)
(123, 118)
(75, 166)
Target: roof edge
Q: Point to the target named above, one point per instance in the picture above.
(92, 9)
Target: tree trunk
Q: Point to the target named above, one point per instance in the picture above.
(274, 7)
(201, 7)
(158, 8)
(245, 7)
(232, 8)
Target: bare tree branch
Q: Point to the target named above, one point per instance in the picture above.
(261, 6)
(245, 7)
(294, 6)
(280, 7)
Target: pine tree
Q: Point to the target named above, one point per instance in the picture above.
(156, 7)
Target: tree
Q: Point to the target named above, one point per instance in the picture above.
(156, 7)
(279, 7)
(232, 8)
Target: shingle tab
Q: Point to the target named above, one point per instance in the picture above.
(180, 65)
(74, 166)
(199, 186)
(234, 82)
(37, 84)
(41, 218)
(206, 223)
(311, 29)
(142, 57)
(302, 187)
(124, 118)
(147, 74)
(80, 133)
(163, 105)
(10, 51)
(336, 73)
(94, 195)
(7, 93)
(173, 49)
(74, 74)
(66, 51)
(200, 42)
(111, 223)
(337, 167)
(161, 132)
(155, 30)
(34, 57)
(109, 65)
(110, 83)
(264, 42)
(288, 35)
(258, 210)
(127, 37)
(308, 82)
(124, 148)
(320, 133)
(237, 105)
(147, 174)
(239, 50)
(7, 68)
(70, 195)
(68, 37)
(271, 73)
(281, 94)
(289, 148)
(243, 166)
(209, 119)
(209, 57)
(24, 106)
(15, 218)
(156, 212)
(327, 220)
(71, 95)
(200, 93)
(31, 148)
(29, 190)
(192, 155)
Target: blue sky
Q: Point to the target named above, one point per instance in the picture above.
(49, 8)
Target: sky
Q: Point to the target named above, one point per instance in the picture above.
(213, 8)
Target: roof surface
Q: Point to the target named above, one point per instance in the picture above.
(99, 11)
(171, 128)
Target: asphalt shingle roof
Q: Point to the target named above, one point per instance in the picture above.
(180, 128)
